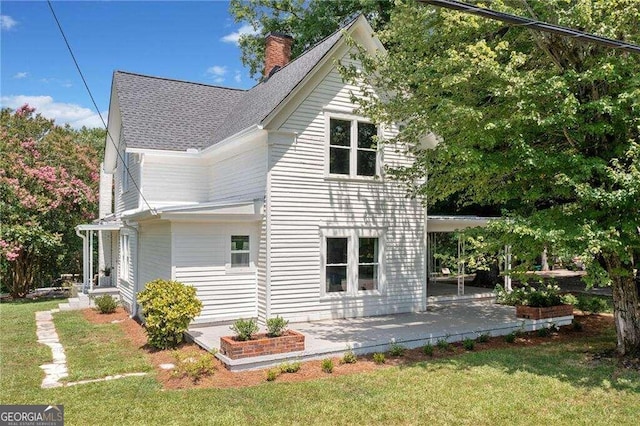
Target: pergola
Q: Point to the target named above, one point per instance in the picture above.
(449, 224)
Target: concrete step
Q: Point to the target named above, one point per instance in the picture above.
(76, 303)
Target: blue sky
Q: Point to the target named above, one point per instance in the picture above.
(186, 40)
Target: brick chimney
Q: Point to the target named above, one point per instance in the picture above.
(277, 52)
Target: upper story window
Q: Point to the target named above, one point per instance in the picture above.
(352, 148)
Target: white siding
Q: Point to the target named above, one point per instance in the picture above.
(302, 199)
(262, 272)
(239, 175)
(171, 180)
(105, 203)
(155, 252)
(126, 199)
(202, 256)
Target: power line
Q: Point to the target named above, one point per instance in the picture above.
(534, 24)
(95, 105)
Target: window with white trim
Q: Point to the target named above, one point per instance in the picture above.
(125, 256)
(351, 261)
(240, 251)
(337, 264)
(368, 263)
(352, 148)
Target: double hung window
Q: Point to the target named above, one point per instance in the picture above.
(352, 148)
(351, 263)
(240, 251)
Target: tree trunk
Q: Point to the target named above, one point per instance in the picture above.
(626, 307)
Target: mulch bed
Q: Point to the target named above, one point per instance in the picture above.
(592, 325)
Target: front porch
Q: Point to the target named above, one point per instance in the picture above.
(452, 321)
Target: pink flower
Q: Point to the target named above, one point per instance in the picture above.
(24, 109)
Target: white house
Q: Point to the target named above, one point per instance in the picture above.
(269, 201)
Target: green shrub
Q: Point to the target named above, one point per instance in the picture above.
(194, 366)
(576, 325)
(378, 358)
(273, 374)
(290, 367)
(468, 344)
(598, 304)
(349, 357)
(544, 297)
(327, 365)
(396, 349)
(512, 298)
(592, 304)
(583, 303)
(276, 326)
(427, 349)
(483, 338)
(105, 304)
(569, 299)
(544, 332)
(443, 344)
(244, 328)
(168, 307)
(510, 338)
(540, 297)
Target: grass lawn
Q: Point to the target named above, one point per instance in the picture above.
(551, 384)
(96, 350)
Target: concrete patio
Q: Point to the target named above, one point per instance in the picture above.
(451, 321)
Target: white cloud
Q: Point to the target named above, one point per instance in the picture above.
(234, 37)
(237, 77)
(63, 113)
(7, 22)
(21, 75)
(217, 72)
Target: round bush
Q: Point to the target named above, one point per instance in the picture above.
(105, 304)
(168, 307)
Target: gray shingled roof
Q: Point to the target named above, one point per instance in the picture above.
(263, 98)
(159, 113)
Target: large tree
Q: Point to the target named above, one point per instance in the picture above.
(307, 21)
(543, 126)
(48, 185)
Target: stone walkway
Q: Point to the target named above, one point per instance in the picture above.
(57, 370)
(47, 335)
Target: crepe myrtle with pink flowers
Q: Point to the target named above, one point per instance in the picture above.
(48, 184)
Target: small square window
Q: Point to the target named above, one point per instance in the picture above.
(240, 251)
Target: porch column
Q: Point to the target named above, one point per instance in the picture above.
(461, 269)
(90, 260)
(507, 268)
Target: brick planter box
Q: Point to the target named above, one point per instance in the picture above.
(291, 341)
(529, 312)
